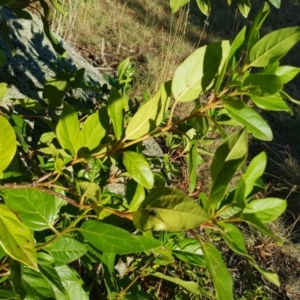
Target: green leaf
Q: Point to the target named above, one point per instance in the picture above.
(246, 184)
(235, 240)
(249, 118)
(252, 220)
(176, 4)
(272, 103)
(68, 131)
(27, 103)
(253, 35)
(58, 7)
(16, 238)
(204, 6)
(55, 89)
(286, 96)
(197, 73)
(7, 292)
(169, 209)
(50, 274)
(55, 44)
(272, 277)
(274, 46)
(8, 144)
(262, 85)
(234, 47)
(2, 59)
(275, 3)
(15, 278)
(108, 271)
(219, 273)
(192, 167)
(190, 286)
(116, 104)
(189, 251)
(244, 7)
(138, 168)
(91, 191)
(112, 239)
(72, 283)
(65, 250)
(37, 286)
(287, 73)
(266, 210)
(138, 195)
(150, 115)
(3, 89)
(228, 158)
(94, 129)
(38, 210)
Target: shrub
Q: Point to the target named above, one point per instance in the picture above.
(63, 233)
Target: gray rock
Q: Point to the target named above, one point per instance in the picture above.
(30, 68)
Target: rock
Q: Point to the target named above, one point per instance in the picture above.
(30, 68)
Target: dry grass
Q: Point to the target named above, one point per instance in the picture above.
(106, 32)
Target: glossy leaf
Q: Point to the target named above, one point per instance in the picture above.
(7, 292)
(150, 115)
(234, 47)
(287, 73)
(249, 118)
(16, 238)
(252, 220)
(38, 210)
(112, 239)
(262, 85)
(266, 210)
(275, 3)
(244, 7)
(190, 286)
(55, 90)
(138, 196)
(169, 209)
(50, 274)
(246, 184)
(189, 251)
(68, 131)
(138, 168)
(73, 284)
(65, 250)
(3, 89)
(8, 144)
(116, 104)
(27, 103)
(197, 73)
(228, 158)
(219, 273)
(91, 191)
(235, 240)
(54, 42)
(192, 167)
(253, 35)
(204, 6)
(286, 96)
(274, 46)
(176, 4)
(37, 286)
(15, 278)
(271, 103)
(94, 129)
